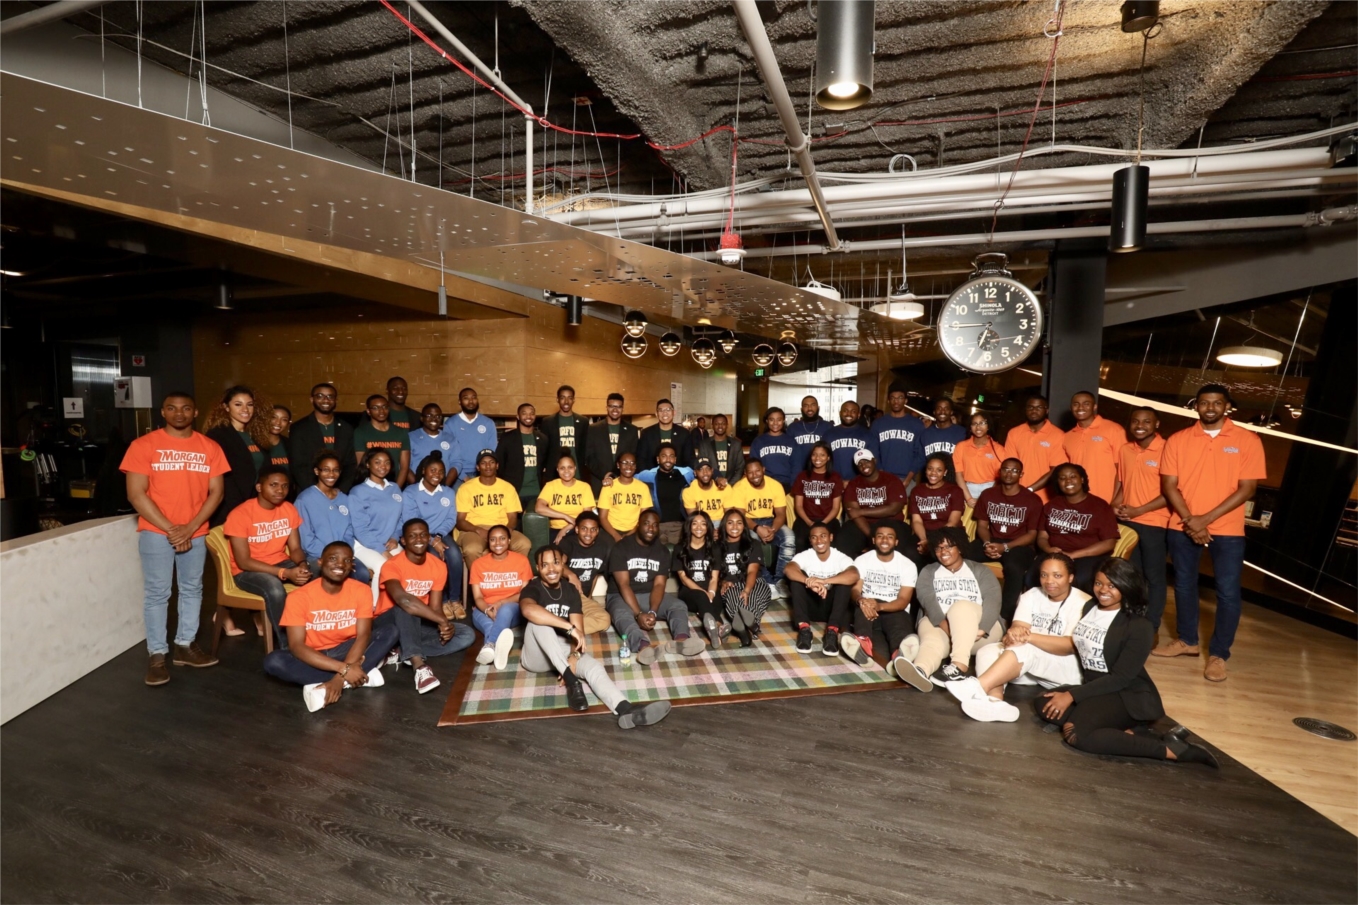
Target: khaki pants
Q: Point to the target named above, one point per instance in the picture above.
(596, 617)
(670, 532)
(473, 546)
(964, 621)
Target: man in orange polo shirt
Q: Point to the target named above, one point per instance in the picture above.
(1038, 444)
(1140, 505)
(1207, 474)
(1094, 443)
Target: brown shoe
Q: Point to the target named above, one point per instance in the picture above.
(1216, 670)
(1175, 648)
(192, 656)
(453, 609)
(156, 671)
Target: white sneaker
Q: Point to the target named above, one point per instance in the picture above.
(486, 655)
(988, 710)
(911, 674)
(393, 658)
(425, 680)
(313, 696)
(503, 645)
(849, 647)
(375, 679)
(909, 648)
(966, 689)
(779, 589)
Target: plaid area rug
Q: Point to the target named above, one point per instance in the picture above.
(772, 668)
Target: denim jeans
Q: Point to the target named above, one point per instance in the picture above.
(1148, 556)
(1228, 561)
(784, 548)
(159, 565)
(281, 664)
(506, 616)
(420, 637)
(452, 558)
(275, 597)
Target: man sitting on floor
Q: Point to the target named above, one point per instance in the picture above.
(587, 550)
(412, 600)
(332, 645)
(882, 596)
(554, 641)
(640, 565)
(819, 579)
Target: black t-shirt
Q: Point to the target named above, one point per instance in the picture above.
(562, 602)
(735, 563)
(669, 491)
(586, 562)
(641, 562)
(696, 564)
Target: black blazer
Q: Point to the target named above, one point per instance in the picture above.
(238, 485)
(599, 456)
(305, 442)
(1125, 649)
(648, 446)
(551, 426)
(509, 453)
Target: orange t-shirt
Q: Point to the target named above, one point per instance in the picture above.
(1040, 451)
(500, 579)
(266, 530)
(330, 619)
(180, 470)
(1209, 470)
(417, 581)
(1139, 472)
(978, 466)
(1096, 448)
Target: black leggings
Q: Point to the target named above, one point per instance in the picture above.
(808, 606)
(886, 632)
(1098, 725)
(698, 602)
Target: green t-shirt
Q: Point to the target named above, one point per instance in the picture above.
(394, 440)
(531, 486)
(255, 452)
(614, 431)
(403, 418)
(723, 451)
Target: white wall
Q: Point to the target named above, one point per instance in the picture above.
(70, 601)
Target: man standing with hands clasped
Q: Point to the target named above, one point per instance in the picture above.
(1208, 473)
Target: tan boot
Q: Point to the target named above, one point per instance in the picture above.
(157, 673)
(1216, 670)
(1175, 648)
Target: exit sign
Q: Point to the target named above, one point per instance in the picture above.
(760, 372)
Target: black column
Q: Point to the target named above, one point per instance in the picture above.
(1075, 336)
(1317, 481)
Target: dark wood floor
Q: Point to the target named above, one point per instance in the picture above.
(220, 787)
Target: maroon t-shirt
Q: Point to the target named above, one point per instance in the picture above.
(1074, 526)
(933, 506)
(819, 492)
(1009, 516)
(888, 489)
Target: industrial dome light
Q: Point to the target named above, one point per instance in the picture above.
(704, 352)
(844, 46)
(634, 346)
(819, 288)
(670, 344)
(634, 323)
(727, 341)
(905, 309)
(787, 354)
(731, 250)
(1250, 357)
(762, 355)
(1139, 15)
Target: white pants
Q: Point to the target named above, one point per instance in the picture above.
(1037, 666)
(373, 560)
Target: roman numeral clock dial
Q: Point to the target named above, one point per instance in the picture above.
(992, 322)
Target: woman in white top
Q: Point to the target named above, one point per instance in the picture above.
(1037, 648)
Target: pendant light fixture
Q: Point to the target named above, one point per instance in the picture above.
(763, 355)
(224, 296)
(1131, 185)
(787, 353)
(1250, 357)
(634, 346)
(727, 341)
(670, 344)
(1139, 15)
(900, 304)
(704, 352)
(844, 47)
(634, 323)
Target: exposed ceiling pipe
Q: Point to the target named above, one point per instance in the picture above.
(48, 13)
(493, 76)
(797, 142)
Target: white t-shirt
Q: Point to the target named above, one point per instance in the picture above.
(1089, 635)
(814, 567)
(884, 580)
(950, 587)
(1048, 617)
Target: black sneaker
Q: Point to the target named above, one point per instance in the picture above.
(829, 645)
(804, 640)
(575, 692)
(946, 673)
(743, 634)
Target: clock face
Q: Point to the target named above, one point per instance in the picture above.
(990, 324)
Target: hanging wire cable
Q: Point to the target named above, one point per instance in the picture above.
(202, 68)
(410, 74)
(287, 69)
(193, 50)
(139, 40)
(386, 130)
(103, 74)
(1287, 364)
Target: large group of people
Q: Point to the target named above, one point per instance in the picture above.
(959, 560)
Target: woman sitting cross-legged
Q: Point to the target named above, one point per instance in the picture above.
(698, 573)
(1113, 638)
(820, 580)
(742, 587)
(1037, 647)
(554, 641)
(497, 576)
(332, 645)
(961, 602)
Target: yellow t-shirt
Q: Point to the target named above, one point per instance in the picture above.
(571, 500)
(625, 503)
(714, 501)
(487, 506)
(761, 502)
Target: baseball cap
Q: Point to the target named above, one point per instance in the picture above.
(861, 455)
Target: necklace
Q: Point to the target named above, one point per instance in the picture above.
(559, 591)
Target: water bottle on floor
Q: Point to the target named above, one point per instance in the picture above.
(624, 652)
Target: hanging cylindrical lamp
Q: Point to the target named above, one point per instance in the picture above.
(1139, 15)
(634, 323)
(762, 355)
(670, 344)
(634, 346)
(844, 46)
(575, 310)
(1131, 197)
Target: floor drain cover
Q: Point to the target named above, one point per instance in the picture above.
(1324, 729)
